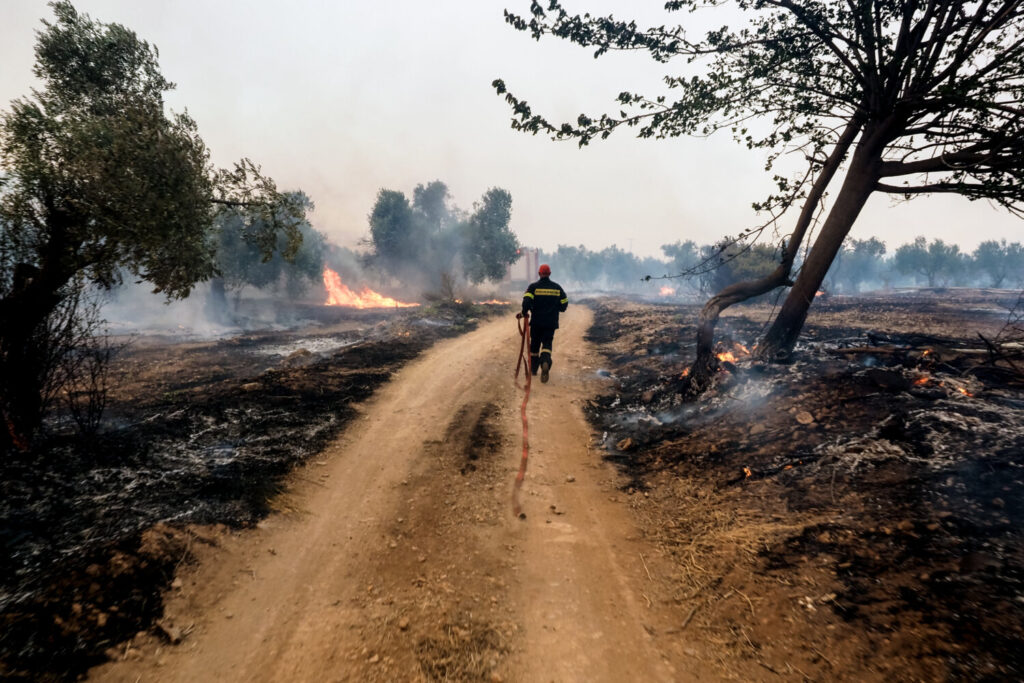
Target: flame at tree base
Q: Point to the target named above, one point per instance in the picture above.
(338, 294)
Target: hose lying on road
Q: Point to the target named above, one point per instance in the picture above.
(523, 362)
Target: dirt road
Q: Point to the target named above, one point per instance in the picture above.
(395, 554)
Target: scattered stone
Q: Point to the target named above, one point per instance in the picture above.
(251, 386)
(403, 623)
(569, 478)
(756, 429)
(169, 631)
(177, 584)
(374, 659)
(804, 417)
(625, 444)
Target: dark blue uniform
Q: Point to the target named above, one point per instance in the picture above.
(543, 300)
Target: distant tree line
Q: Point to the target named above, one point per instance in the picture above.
(860, 265)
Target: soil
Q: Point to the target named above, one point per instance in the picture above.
(834, 518)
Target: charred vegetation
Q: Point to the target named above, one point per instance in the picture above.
(198, 434)
(867, 495)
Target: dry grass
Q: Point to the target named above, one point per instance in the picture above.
(467, 651)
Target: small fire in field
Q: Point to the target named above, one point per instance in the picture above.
(947, 383)
(666, 291)
(747, 471)
(338, 294)
(494, 302)
(734, 354)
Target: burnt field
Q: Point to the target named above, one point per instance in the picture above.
(855, 514)
(196, 434)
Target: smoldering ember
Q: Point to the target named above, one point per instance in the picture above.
(377, 429)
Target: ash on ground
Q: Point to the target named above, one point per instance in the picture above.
(855, 514)
(197, 434)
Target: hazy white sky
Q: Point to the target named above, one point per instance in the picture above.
(341, 98)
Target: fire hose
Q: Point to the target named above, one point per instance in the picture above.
(523, 321)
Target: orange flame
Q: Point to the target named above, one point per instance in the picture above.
(921, 380)
(820, 292)
(686, 373)
(338, 294)
(737, 352)
(666, 291)
(746, 470)
(493, 302)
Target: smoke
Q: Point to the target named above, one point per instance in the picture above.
(135, 309)
(430, 248)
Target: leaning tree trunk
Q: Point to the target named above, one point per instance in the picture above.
(706, 364)
(857, 187)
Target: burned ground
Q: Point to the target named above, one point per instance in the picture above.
(200, 434)
(853, 515)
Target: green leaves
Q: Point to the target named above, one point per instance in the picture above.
(488, 244)
(101, 180)
(936, 88)
(430, 236)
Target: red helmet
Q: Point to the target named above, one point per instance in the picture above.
(544, 270)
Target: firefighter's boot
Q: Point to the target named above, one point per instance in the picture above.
(545, 369)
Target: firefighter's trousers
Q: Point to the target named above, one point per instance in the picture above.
(541, 340)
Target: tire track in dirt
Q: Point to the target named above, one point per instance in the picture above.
(396, 556)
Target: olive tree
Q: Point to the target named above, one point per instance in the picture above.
(97, 180)
(907, 97)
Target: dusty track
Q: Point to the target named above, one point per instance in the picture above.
(396, 556)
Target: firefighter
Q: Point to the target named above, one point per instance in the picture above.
(543, 301)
